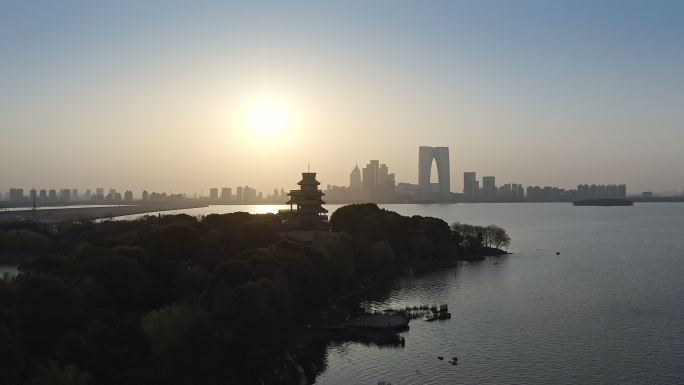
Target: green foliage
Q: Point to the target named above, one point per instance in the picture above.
(160, 299)
(496, 236)
(340, 257)
(258, 232)
(54, 374)
(47, 264)
(479, 236)
(46, 308)
(381, 254)
(11, 357)
(349, 218)
(176, 241)
(166, 329)
(123, 279)
(24, 241)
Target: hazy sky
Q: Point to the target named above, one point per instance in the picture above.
(159, 95)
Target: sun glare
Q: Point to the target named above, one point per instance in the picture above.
(267, 119)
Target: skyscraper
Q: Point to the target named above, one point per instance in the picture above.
(469, 178)
(249, 194)
(65, 195)
(355, 184)
(226, 194)
(441, 157)
(370, 180)
(213, 194)
(16, 195)
(489, 188)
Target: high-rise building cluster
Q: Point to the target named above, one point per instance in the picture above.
(515, 192)
(373, 183)
(377, 183)
(17, 196)
(245, 194)
(489, 192)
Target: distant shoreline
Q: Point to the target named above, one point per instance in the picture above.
(99, 211)
(92, 213)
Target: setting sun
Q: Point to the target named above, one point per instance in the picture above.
(267, 119)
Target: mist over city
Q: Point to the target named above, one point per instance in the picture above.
(341, 192)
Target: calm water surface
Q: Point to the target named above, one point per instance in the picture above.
(608, 310)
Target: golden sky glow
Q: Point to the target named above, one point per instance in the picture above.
(267, 119)
(180, 97)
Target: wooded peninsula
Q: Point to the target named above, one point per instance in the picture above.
(180, 300)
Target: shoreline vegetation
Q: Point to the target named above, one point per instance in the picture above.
(223, 299)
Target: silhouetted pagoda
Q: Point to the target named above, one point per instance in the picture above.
(309, 213)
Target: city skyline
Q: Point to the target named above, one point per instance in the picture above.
(374, 184)
(341, 192)
(456, 177)
(380, 176)
(174, 97)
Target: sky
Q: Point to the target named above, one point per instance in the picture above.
(181, 96)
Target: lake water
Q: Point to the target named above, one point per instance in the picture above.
(608, 310)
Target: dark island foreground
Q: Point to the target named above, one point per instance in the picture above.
(221, 300)
(603, 202)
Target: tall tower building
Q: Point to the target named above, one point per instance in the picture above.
(226, 194)
(441, 157)
(355, 183)
(469, 179)
(65, 195)
(213, 194)
(370, 179)
(16, 194)
(489, 188)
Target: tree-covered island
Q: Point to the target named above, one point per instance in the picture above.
(180, 300)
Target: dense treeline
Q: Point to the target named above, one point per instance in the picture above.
(178, 300)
